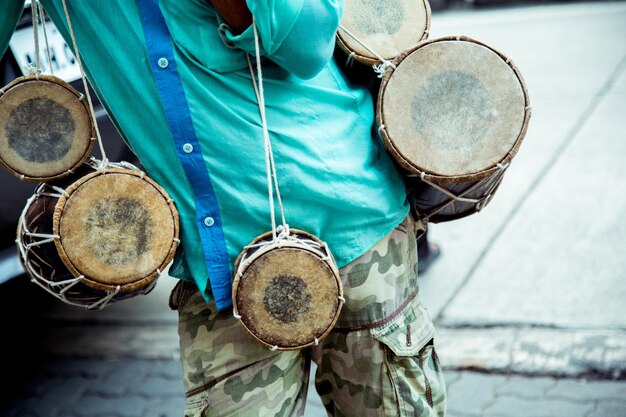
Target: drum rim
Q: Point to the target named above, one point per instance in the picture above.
(286, 245)
(428, 175)
(89, 281)
(368, 60)
(61, 83)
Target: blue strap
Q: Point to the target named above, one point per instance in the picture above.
(208, 219)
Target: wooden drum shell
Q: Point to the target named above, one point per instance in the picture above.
(314, 319)
(50, 261)
(483, 181)
(46, 128)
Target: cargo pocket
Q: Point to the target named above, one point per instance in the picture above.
(415, 382)
(407, 333)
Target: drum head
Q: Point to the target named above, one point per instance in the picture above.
(387, 27)
(45, 129)
(116, 228)
(288, 296)
(452, 107)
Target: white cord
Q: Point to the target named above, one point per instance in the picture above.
(272, 179)
(105, 161)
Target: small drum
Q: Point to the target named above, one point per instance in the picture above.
(98, 236)
(374, 29)
(46, 128)
(287, 292)
(453, 114)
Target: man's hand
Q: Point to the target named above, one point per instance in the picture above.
(235, 13)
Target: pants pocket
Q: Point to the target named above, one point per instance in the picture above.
(412, 366)
(409, 332)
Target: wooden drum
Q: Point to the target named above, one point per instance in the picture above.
(46, 128)
(98, 236)
(453, 114)
(287, 292)
(374, 29)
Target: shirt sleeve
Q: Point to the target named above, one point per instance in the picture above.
(10, 15)
(298, 35)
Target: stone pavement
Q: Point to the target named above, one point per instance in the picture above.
(528, 296)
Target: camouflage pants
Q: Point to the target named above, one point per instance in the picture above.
(378, 361)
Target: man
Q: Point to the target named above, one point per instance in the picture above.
(175, 79)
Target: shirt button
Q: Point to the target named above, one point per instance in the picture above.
(188, 148)
(163, 63)
(209, 221)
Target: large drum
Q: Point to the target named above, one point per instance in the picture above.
(453, 113)
(287, 292)
(46, 128)
(377, 31)
(98, 236)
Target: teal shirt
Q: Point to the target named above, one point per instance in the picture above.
(336, 180)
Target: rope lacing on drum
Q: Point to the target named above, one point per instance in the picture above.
(492, 183)
(58, 289)
(379, 68)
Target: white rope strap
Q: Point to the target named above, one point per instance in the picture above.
(35, 18)
(105, 161)
(272, 180)
(42, 18)
(380, 68)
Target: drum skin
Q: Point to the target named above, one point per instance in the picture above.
(387, 27)
(453, 112)
(46, 128)
(287, 293)
(115, 246)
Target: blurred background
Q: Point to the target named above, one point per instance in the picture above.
(528, 296)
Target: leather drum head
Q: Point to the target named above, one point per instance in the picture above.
(387, 27)
(46, 130)
(453, 107)
(287, 296)
(116, 228)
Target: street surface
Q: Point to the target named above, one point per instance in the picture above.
(528, 296)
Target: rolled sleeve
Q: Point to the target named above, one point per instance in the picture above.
(298, 35)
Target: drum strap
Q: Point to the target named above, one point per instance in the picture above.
(174, 101)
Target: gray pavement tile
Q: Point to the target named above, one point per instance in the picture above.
(158, 387)
(98, 406)
(473, 392)
(556, 48)
(609, 409)
(167, 407)
(123, 376)
(620, 84)
(585, 391)
(557, 239)
(475, 348)
(148, 341)
(166, 369)
(84, 368)
(517, 407)
(451, 378)
(463, 241)
(314, 407)
(524, 387)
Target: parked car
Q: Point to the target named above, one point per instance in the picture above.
(15, 192)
